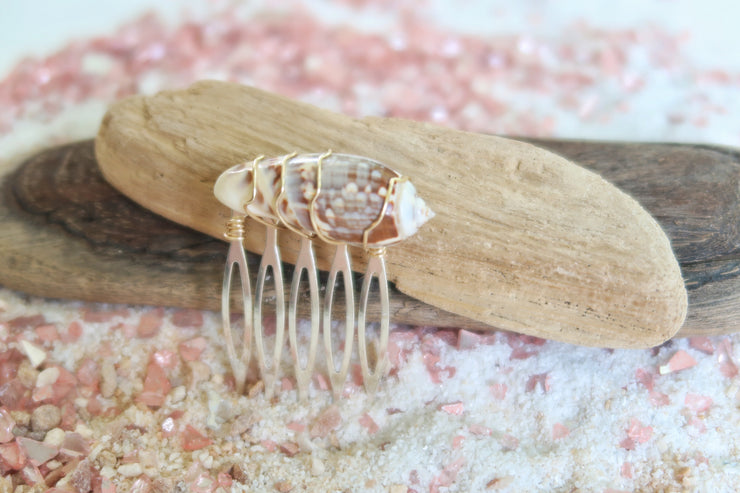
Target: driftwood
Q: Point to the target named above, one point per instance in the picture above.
(523, 240)
(100, 246)
(66, 233)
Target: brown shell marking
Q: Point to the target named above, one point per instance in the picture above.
(352, 195)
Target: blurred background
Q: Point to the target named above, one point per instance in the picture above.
(655, 70)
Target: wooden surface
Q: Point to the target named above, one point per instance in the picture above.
(104, 238)
(523, 239)
(694, 192)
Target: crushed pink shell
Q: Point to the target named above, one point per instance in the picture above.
(109, 398)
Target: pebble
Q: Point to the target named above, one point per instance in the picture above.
(192, 349)
(240, 473)
(199, 372)
(7, 424)
(83, 430)
(130, 470)
(35, 354)
(45, 417)
(283, 486)
(48, 376)
(83, 476)
(192, 439)
(106, 458)
(109, 379)
(317, 467)
(33, 435)
(329, 419)
(149, 323)
(187, 318)
(243, 423)
(21, 418)
(178, 394)
(27, 374)
(289, 448)
(255, 389)
(37, 452)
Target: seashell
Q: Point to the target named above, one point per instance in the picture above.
(358, 197)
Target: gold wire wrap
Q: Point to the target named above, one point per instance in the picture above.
(236, 228)
(255, 177)
(279, 197)
(312, 205)
(256, 161)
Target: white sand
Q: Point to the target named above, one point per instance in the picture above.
(508, 441)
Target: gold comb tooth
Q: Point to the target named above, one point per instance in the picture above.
(236, 257)
(270, 259)
(304, 372)
(371, 378)
(340, 264)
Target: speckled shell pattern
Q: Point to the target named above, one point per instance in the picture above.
(351, 199)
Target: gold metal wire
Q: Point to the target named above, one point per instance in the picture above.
(279, 197)
(392, 183)
(312, 205)
(255, 178)
(256, 161)
(236, 227)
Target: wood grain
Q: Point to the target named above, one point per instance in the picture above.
(66, 233)
(691, 189)
(694, 192)
(523, 240)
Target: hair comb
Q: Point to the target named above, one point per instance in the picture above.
(341, 199)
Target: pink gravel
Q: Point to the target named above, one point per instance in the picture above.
(155, 381)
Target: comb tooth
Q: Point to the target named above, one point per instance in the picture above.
(236, 257)
(306, 261)
(270, 258)
(341, 263)
(375, 267)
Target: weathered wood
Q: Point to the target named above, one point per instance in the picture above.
(42, 196)
(523, 240)
(694, 192)
(66, 233)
